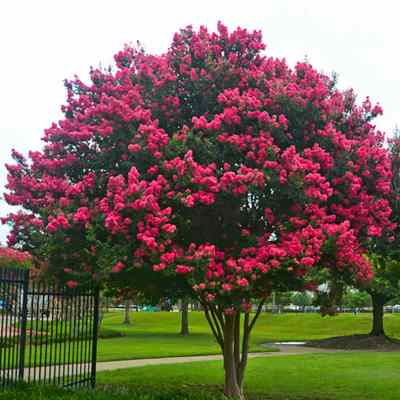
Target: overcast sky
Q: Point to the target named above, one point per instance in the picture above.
(44, 42)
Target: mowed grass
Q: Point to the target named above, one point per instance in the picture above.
(339, 376)
(355, 376)
(334, 376)
(157, 334)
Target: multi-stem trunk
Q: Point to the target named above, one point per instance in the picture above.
(127, 317)
(232, 334)
(184, 316)
(232, 387)
(377, 321)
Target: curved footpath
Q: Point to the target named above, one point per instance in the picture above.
(52, 373)
(284, 350)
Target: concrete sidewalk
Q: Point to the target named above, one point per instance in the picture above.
(284, 350)
(55, 371)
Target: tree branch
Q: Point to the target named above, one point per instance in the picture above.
(215, 331)
(220, 316)
(258, 312)
(219, 328)
(245, 348)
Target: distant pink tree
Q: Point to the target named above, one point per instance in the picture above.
(14, 258)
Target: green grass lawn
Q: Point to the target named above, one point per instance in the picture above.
(156, 334)
(340, 376)
(355, 376)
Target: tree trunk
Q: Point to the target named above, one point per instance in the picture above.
(232, 387)
(234, 344)
(127, 318)
(184, 317)
(377, 321)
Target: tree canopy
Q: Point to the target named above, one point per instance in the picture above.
(213, 164)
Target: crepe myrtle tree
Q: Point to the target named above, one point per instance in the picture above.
(213, 165)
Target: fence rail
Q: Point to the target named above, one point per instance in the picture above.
(48, 333)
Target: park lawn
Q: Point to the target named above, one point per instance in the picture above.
(153, 335)
(335, 376)
(156, 334)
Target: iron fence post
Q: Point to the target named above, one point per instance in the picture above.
(95, 334)
(24, 318)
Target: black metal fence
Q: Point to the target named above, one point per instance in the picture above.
(48, 333)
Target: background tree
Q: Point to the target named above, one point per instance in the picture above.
(385, 251)
(184, 308)
(383, 288)
(302, 299)
(213, 166)
(128, 297)
(278, 300)
(354, 298)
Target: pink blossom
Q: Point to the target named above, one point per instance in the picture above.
(134, 148)
(183, 269)
(226, 287)
(159, 267)
(169, 228)
(72, 284)
(82, 215)
(210, 297)
(246, 307)
(118, 267)
(193, 75)
(308, 261)
(243, 282)
(229, 311)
